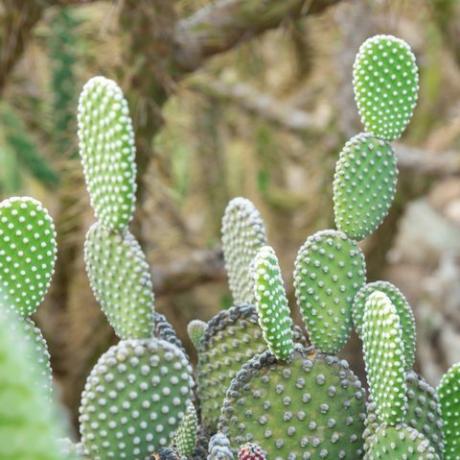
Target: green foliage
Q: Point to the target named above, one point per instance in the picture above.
(364, 185)
(185, 438)
(272, 304)
(385, 80)
(329, 271)
(384, 357)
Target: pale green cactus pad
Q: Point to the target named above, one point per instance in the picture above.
(120, 279)
(196, 330)
(27, 254)
(403, 309)
(329, 271)
(107, 151)
(423, 413)
(272, 304)
(243, 234)
(384, 357)
(449, 397)
(311, 407)
(364, 185)
(385, 80)
(186, 436)
(134, 399)
(400, 442)
(29, 428)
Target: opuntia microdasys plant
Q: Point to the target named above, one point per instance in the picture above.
(261, 388)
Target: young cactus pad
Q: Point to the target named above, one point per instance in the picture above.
(400, 442)
(272, 304)
(385, 80)
(364, 185)
(185, 438)
(120, 279)
(449, 397)
(384, 358)
(219, 448)
(196, 330)
(134, 399)
(27, 254)
(403, 309)
(311, 407)
(107, 151)
(329, 271)
(243, 234)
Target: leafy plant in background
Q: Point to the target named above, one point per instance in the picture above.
(262, 391)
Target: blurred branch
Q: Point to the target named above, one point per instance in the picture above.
(224, 24)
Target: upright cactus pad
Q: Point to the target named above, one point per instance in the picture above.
(272, 304)
(384, 358)
(107, 151)
(243, 234)
(120, 279)
(311, 407)
(134, 399)
(27, 254)
(400, 442)
(329, 271)
(251, 451)
(385, 80)
(186, 436)
(164, 331)
(219, 448)
(364, 185)
(403, 309)
(449, 397)
(196, 330)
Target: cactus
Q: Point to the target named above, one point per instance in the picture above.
(385, 81)
(449, 398)
(251, 451)
(185, 438)
(196, 330)
(219, 448)
(243, 234)
(364, 185)
(329, 271)
(166, 453)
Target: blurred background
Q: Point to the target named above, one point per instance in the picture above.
(230, 98)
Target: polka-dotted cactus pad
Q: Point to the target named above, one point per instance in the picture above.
(272, 304)
(120, 279)
(107, 151)
(384, 358)
(329, 271)
(385, 80)
(364, 185)
(134, 400)
(27, 254)
(185, 438)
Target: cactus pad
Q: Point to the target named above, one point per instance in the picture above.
(219, 448)
(251, 451)
(243, 234)
(385, 80)
(364, 185)
(164, 331)
(403, 309)
(134, 399)
(185, 438)
(196, 330)
(120, 279)
(400, 442)
(311, 407)
(107, 151)
(329, 271)
(449, 397)
(27, 253)
(272, 304)
(384, 357)
(166, 453)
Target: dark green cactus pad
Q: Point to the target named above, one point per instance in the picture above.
(243, 234)
(403, 309)
(29, 426)
(272, 304)
(384, 358)
(364, 185)
(423, 413)
(449, 398)
(120, 279)
(166, 453)
(232, 337)
(329, 271)
(312, 407)
(400, 442)
(164, 331)
(219, 448)
(134, 399)
(385, 81)
(186, 435)
(107, 151)
(27, 254)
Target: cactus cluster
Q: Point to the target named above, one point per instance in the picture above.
(262, 388)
